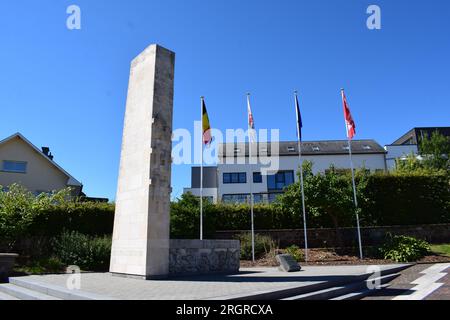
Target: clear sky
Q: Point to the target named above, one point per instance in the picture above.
(66, 89)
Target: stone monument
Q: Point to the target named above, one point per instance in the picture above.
(141, 246)
(141, 225)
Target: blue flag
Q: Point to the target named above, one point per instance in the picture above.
(299, 119)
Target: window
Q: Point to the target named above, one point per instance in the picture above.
(235, 198)
(272, 197)
(315, 148)
(14, 166)
(235, 177)
(258, 198)
(366, 147)
(280, 180)
(257, 177)
(242, 198)
(290, 149)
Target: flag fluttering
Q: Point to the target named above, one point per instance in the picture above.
(350, 124)
(299, 118)
(207, 138)
(251, 123)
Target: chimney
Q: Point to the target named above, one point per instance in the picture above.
(46, 151)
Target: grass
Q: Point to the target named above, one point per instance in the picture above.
(441, 249)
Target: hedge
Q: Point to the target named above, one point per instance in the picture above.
(386, 199)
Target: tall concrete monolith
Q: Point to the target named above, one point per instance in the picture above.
(141, 224)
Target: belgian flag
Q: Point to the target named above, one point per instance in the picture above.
(207, 138)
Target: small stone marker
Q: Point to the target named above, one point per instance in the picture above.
(287, 263)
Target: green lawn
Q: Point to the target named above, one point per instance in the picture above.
(442, 249)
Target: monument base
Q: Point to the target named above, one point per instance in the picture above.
(197, 257)
(139, 277)
(189, 257)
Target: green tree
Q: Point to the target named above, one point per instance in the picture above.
(435, 151)
(19, 208)
(328, 196)
(185, 217)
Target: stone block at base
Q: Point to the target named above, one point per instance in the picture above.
(7, 261)
(203, 256)
(287, 263)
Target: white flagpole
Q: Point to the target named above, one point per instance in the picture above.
(251, 177)
(301, 178)
(201, 170)
(354, 186)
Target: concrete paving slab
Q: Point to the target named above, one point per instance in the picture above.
(248, 282)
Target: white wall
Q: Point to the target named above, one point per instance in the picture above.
(398, 151)
(320, 164)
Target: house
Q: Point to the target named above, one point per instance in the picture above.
(229, 181)
(409, 143)
(23, 163)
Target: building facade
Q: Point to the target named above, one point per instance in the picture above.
(23, 163)
(275, 167)
(409, 144)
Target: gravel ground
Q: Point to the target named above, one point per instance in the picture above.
(327, 257)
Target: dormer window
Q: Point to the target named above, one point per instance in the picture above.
(315, 148)
(366, 147)
(290, 149)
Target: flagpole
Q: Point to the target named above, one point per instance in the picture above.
(251, 182)
(201, 170)
(301, 179)
(354, 186)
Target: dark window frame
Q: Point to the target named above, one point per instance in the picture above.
(257, 177)
(279, 181)
(234, 177)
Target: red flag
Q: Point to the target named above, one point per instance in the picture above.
(349, 123)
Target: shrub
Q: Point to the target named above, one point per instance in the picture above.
(24, 216)
(295, 252)
(263, 245)
(404, 249)
(185, 218)
(89, 253)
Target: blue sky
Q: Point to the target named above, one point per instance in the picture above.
(67, 89)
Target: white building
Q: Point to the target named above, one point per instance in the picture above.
(408, 144)
(230, 180)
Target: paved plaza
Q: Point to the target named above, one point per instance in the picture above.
(248, 283)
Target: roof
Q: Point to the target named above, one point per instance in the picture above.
(71, 182)
(415, 134)
(290, 148)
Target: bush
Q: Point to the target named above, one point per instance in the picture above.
(404, 249)
(25, 216)
(263, 245)
(295, 252)
(88, 253)
(17, 207)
